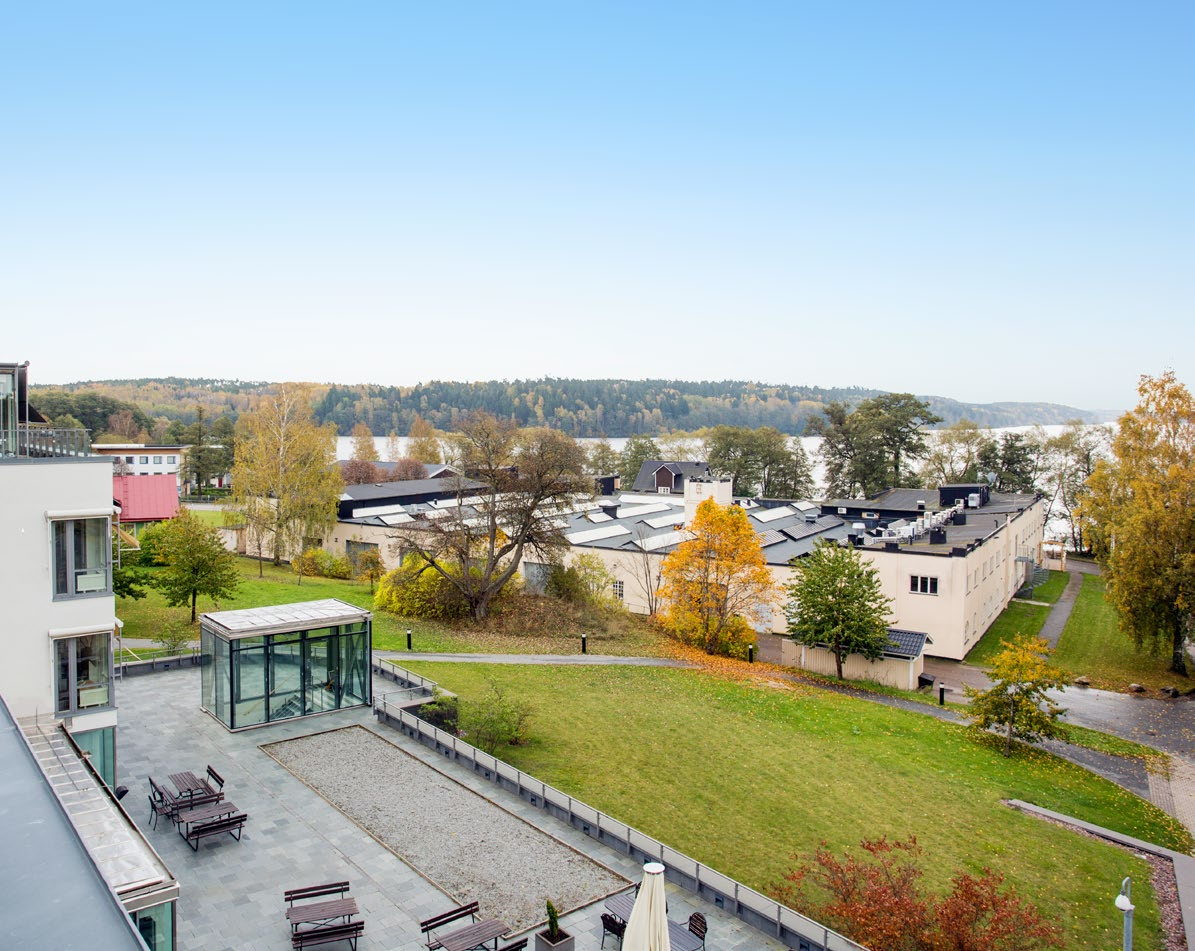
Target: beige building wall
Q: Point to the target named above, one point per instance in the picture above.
(890, 671)
(972, 590)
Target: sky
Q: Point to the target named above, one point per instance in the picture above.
(982, 201)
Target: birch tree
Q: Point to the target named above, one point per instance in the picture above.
(285, 478)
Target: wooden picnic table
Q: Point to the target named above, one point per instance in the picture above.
(321, 912)
(681, 938)
(209, 810)
(188, 784)
(474, 935)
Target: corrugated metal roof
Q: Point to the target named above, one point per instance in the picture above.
(771, 515)
(145, 498)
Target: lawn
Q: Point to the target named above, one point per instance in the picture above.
(1017, 618)
(742, 776)
(1051, 590)
(1092, 644)
(630, 635)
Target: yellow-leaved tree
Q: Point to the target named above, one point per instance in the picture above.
(1140, 506)
(423, 443)
(364, 448)
(713, 581)
(285, 481)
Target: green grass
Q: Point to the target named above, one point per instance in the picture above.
(1093, 645)
(743, 776)
(1017, 618)
(146, 617)
(1052, 589)
(212, 516)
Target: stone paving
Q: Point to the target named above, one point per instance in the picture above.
(231, 893)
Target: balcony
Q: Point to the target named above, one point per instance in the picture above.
(25, 441)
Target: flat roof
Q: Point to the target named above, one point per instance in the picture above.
(283, 618)
(45, 870)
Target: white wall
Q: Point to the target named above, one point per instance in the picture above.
(30, 488)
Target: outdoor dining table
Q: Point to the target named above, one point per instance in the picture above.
(321, 912)
(188, 784)
(682, 939)
(476, 935)
(210, 810)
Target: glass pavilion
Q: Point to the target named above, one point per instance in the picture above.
(282, 661)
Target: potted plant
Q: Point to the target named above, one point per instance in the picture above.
(553, 938)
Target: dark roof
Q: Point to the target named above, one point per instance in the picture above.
(645, 480)
(45, 870)
(372, 491)
(905, 644)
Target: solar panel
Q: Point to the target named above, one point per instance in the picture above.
(637, 510)
(664, 521)
(770, 515)
(596, 534)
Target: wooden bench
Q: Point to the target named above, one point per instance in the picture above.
(315, 891)
(326, 934)
(438, 921)
(214, 777)
(520, 945)
(233, 825)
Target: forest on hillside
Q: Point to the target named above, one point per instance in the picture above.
(578, 407)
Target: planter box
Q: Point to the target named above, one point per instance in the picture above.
(543, 943)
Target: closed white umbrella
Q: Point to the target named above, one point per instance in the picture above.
(647, 929)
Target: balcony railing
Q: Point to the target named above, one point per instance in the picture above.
(40, 442)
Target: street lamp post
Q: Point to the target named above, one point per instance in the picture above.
(1125, 904)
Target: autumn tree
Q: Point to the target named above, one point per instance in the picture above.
(124, 425)
(954, 454)
(364, 448)
(394, 448)
(877, 899)
(285, 478)
(680, 446)
(196, 562)
(406, 468)
(362, 472)
(645, 566)
(369, 566)
(715, 580)
(423, 443)
(836, 600)
(601, 459)
(1141, 506)
(1016, 703)
(528, 479)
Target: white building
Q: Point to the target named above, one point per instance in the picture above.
(57, 677)
(139, 459)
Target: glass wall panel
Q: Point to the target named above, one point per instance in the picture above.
(222, 682)
(249, 681)
(320, 672)
(286, 676)
(354, 666)
(62, 674)
(91, 670)
(207, 697)
(101, 747)
(156, 926)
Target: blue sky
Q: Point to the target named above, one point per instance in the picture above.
(984, 201)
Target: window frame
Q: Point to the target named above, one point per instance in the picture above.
(72, 675)
(923, 584)
(69, 568)
(619, 590)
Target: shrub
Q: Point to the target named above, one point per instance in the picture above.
(415, 590)
(585, 581)
(493, 721)
(174, 636)
(315, 562)
(441, 711)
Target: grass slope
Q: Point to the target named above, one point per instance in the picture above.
(744, 776)
(146, 617)
(1093, 644)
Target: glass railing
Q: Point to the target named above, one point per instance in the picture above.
(38, 442)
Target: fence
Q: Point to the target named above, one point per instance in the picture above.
(759, 911)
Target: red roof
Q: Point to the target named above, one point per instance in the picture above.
(146, 498)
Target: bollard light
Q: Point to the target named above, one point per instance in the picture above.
(582, 643)
(408, 638)
(941, 694)
(750, 653)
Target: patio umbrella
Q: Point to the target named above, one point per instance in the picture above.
(647, 929)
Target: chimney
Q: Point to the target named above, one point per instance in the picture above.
(698, 490)
(609, 508)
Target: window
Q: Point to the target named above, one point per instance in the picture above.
(664, 490)
(83, 672)
(619, 590)
(157, 460)
(171, 460)
(81, 552)
(129, 460)
(144, 460)
(922, 584)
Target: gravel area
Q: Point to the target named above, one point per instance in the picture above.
(464, 843)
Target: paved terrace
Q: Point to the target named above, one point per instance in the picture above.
(231, 893)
